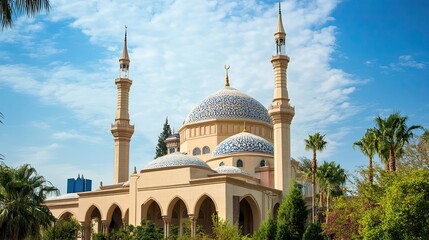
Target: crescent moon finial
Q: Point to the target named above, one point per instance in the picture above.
(227, 78)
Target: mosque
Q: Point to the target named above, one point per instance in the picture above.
(231, 157)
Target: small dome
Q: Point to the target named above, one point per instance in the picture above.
(229, 103)
(230, 170)
(243, 142)
(176, 159)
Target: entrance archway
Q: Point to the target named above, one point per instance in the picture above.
(249, 215)
(178, 213)
(115, 218)
(93, 219)
(276, 210)
(152, 212)
(205, 209)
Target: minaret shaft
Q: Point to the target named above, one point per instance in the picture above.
(121, 130)
(281, 113)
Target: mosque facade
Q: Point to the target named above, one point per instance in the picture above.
(231, 157)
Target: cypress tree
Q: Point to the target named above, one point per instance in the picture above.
(161, 148)
(292, 215)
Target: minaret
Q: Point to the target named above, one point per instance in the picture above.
(281, 112)
(122, 130)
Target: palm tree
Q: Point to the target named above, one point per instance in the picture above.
(368, 146)
(11, 8)
(22, 212)
(314, 143)
(336, 182)
(392, 133)
(304, 168)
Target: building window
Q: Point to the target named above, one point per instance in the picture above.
(239, 163)
(206, 150)
(221, 164)
(263, 163)
(172, 150)
(196, 151)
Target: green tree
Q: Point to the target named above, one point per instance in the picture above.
(292, 215)
(267, 230)
(161, 148)
(22, 212)
(304, 168)
(331, 179)
(314, 143)
(67, 229)
(393, 133)
(416, 154)
(406, 207)
(11, 8)
(313, 232)
(342, 219)
(368, 146)
(223, 230)
(395, 207)
(1, 122)
(148, 231)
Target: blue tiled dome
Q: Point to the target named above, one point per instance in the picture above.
(229, 103)
(243, 142)
(230, 170)
(174, 160)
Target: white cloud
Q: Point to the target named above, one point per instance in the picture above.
(404, 62)
(178, 50)
(408, 61)
(74, 135)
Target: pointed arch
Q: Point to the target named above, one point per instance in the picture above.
(200, 201)
(114, 217)
(275, 210)
(204, 209)
(250, 214)
(177, 213)
(173, 203)
(151, 210)
(65, 215)
(90, 211)
(126, 216)
(93, 217)
(146, 204)
(112, 209)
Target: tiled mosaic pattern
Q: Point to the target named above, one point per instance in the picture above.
(243, 142)
(229, 103)
(176, 159)
(230, 169)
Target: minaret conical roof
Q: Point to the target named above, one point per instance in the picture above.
(124, 55)
(280, 28)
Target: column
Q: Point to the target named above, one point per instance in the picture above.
(86, 231)
(193, 220)
(166, 226)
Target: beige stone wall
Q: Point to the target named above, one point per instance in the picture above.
(210, 133)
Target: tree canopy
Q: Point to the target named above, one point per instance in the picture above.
(22, 212)
(161, 147)
(12, 8)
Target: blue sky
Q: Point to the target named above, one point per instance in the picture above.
(350, 61)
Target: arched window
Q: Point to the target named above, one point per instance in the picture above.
(196, 151)
(263, 163)
(206, 150)
(221, 164)
(239, 163)
(172, 150)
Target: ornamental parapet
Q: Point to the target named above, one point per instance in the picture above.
(281, 113)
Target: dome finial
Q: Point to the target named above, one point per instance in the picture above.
(244, 129)
(227, 78)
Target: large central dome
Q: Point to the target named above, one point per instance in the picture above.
(229, 103)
